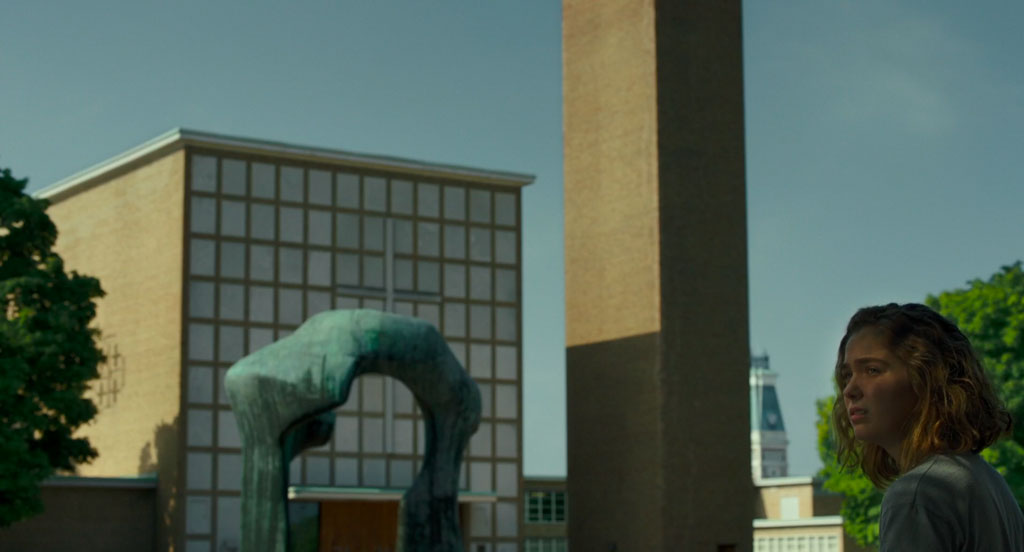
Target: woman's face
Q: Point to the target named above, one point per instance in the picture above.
(878, 395)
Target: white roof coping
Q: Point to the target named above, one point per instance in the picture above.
(784, 481)
(327, 494)
(180, 137)
(818, 521)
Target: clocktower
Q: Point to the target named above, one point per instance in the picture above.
(767, 432)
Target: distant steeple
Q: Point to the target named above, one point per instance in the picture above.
(767, 431)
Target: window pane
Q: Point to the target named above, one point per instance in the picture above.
(428, 277)
(346, 269)
(204, 173)
(318, 270)
(373, 472)
(373, 434)
(480, 360)
(261, 304)
(403, 236)
(505, 440)
(200, 299)
(319, 227)
(454, 320)
(454, 203)
(429, 312)
(291, 184)
(197, 515)
(346, 472)
(261, 262)
(505, 400)
(480, 443)
(480, 321)
(427, 239)
(200, 428)
(346, 434)
(232, 177)
(505, 209)
(454, 241)
(505, 288)
(261, 223)
(232, 301)
(505, 362)
(230, 345)
(401, 197)
(480, 477)
(263, 180)
(348, 230)
(373, 233)
(202, 254)
(403, 274)
(348, 190)
(232, 218)
(232, 260)
(289, 269)
(200, 384)
(480, 282)
(508, 519)
(204, 215)
(486, 390)
(480, 519)
(227, 430)
(427, 200)
(505, 324)
(291, 224)
(319, 187)
(373, 271)
(403, 436)
(480, 206)
(317, 302)
(200, 342)
(506, 479)
(373, 393)
(318, 470)
(505, 247)
(229, 471)
(401, 475)
(454, 280)
(259, 338)
(375, 193)
(289, 306)
(479, 244)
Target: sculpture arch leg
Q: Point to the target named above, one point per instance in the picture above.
(283, 396)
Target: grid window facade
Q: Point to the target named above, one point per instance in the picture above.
(272, 243)
(797, 543)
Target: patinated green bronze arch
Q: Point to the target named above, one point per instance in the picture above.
(284, 395)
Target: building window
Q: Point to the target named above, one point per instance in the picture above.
(546, 545)
(545, 506)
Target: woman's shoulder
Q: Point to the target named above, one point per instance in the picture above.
(932, 482)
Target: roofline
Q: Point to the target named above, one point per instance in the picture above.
(784, 481)
(178, 138)
(818, 521)
(327, 494)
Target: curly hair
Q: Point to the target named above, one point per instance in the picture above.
(957, 409)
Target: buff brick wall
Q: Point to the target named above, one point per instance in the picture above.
(127, 232)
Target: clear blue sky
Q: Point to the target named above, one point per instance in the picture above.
(883, 138)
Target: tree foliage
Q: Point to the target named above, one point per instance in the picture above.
(48, 354)
(991, 314)
(862, 502)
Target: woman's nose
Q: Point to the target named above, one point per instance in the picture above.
(852, 389)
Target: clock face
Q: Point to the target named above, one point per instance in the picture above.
(772, 418)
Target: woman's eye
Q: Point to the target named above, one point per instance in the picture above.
(874, 370)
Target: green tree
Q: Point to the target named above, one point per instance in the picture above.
(48, 354)
(862, 502)
(991, 314)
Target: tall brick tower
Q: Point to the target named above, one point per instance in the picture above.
(656, 276)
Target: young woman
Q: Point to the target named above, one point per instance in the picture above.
(916, 408)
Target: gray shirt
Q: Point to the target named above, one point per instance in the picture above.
(951, 502)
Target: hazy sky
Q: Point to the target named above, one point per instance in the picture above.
(883, 138)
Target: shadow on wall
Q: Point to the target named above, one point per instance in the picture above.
(163, 462)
